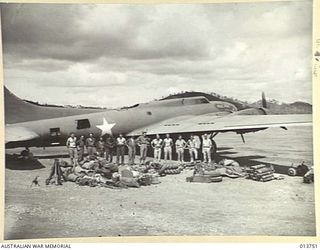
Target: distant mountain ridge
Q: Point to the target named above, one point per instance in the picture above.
(297, 107)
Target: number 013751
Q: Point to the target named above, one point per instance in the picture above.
(309, 246)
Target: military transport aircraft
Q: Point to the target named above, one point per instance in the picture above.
(32, 125)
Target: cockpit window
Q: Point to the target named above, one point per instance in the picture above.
(226, 107)
(193, 101)
(203, 101)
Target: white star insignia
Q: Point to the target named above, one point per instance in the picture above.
(105, 127)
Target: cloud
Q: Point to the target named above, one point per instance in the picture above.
(114, 55)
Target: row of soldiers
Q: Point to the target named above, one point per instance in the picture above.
(105, 147)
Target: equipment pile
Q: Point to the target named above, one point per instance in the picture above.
(261, 173)
(95, 171)
(213, 172)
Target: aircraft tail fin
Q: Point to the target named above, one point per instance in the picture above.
(17, 110)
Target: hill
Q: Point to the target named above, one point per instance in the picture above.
(276, 107)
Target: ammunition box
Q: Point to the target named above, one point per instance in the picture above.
(257, 166)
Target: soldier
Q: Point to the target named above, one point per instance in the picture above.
(180, 146)
(121, 143)
(156, 144)
(109, 146)
(100, 147)
(80, 147)
(168, 143)
(206, 148)
(72, 148)
(131, 144)
(191, 144)
(90, 144)
(143, 142)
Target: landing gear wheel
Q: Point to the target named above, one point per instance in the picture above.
(213, 150)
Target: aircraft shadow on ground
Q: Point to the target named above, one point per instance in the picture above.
(223, 148)
(226, 153)
(52, 156)
(20, 164)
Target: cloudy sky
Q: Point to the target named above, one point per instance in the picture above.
(115, 55)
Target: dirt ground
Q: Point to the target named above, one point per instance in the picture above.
(173, 207)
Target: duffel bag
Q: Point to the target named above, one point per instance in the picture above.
(130, 182)
(213, 173)
(72, 177)
(202, 179)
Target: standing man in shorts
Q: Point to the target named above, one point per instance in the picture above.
(72, 148)
(121, 146)
(206, 148)
(167, 143)
(156, 144)
(180, 146)
(191, 144)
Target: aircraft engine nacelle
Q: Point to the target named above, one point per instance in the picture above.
(252, 111)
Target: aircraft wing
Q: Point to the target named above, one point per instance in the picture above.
(15, 134)
(228, 123)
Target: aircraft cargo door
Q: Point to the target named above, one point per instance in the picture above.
(55, 136)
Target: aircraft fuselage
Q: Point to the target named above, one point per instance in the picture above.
(55, 131)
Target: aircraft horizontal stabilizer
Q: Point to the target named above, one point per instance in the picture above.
(15, 134)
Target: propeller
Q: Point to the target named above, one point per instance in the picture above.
(264, 101)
